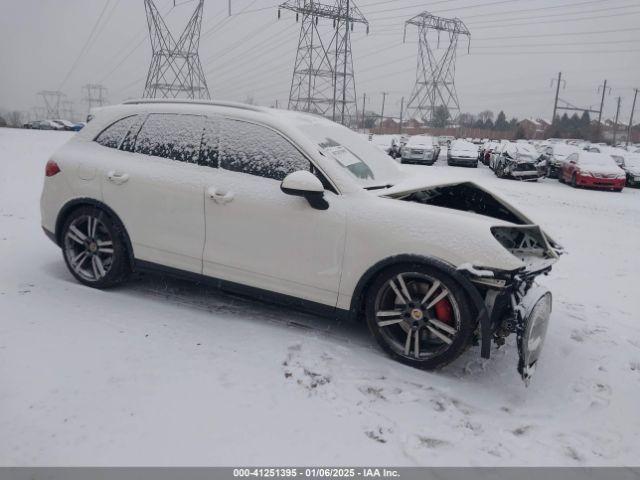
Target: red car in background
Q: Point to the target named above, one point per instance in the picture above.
(593, 170)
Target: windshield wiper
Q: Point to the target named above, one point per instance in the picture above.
(378, 187)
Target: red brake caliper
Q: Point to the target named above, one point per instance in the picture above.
(444, 312)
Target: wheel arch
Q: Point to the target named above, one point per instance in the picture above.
(475, 299)
(76, 203)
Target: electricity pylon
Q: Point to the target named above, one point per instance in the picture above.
(435, 75)
(52, 102)
(323, 81)
(175, 68)
(94, 95)
(67, 110)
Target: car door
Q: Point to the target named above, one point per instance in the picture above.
(155, 186)
(258, 236)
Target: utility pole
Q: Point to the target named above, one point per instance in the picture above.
(401, 114)
(364, 104)
(384, 97)
(604, 91)
(555, 103)
(635, 96)
(615, 125)
(347, 44)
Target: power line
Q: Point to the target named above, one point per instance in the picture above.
(85, 46)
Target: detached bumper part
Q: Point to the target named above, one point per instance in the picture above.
(532, 320)
(513, 303)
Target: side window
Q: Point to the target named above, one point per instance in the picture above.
(174, 136)
(257, 150)
(112, 135)
(573, 157)
(210, 143)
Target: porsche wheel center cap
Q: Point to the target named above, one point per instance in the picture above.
(417, 314)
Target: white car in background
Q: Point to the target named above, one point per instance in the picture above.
(296, 209)
(463, 153)
(420, 149)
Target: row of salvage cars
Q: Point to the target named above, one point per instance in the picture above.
(592, 166)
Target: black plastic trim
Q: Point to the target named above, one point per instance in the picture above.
(268, 296)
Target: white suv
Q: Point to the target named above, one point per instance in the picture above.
(299, 210)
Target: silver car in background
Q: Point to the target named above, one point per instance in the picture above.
(420, 149)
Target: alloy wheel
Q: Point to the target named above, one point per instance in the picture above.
(88, 247)
(417, 315)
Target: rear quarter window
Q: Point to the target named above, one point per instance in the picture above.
(113, 135)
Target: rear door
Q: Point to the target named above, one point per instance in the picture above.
(155, 185)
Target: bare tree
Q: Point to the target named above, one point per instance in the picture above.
(15, 118)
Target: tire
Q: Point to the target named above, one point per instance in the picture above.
(574, 183)
(94, 248)
(433, 352)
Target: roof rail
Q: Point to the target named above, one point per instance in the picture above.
(239, 105)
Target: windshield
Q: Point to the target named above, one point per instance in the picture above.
(369, 166)
(632, 161)
(420, 140)
(563, 150)
(598, 159)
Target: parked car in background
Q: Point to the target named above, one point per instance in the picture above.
(520, 161)
(278, 204)
(445, 139)
(46, 125)
(616, 153)
(555, 154)
(631, 166)
(496, 152)
(463, 153)
(69, 126)
(484, 155)
(593, 170)
(420, 149)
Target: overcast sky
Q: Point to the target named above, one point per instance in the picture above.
(517, 47)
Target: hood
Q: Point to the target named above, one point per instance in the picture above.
(463, 196)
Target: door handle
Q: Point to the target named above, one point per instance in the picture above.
(117, 177)
(220, 197)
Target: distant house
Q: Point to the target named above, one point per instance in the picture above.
(533, 128)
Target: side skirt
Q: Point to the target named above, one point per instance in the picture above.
(267, 296)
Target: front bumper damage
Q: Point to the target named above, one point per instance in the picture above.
(512, 302)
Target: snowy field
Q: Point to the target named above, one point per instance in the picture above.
(162, 372)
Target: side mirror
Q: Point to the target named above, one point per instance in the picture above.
(305, 184)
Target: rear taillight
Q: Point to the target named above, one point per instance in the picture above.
(51, 169)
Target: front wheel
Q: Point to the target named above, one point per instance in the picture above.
(574, 182)
(93, 248)
(419, 316)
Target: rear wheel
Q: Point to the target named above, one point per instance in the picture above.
(419, 316)
(94, 249)
(574, 182)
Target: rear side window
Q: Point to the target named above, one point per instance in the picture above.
(257, 150)
(174, 136)
(113, 135)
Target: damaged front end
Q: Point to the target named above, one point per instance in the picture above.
(513, 302)
(521, 167)
(508, 301)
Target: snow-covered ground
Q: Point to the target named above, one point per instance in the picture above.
(162, 372)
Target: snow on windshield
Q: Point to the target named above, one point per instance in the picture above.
(367, 164)
(597, 159)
